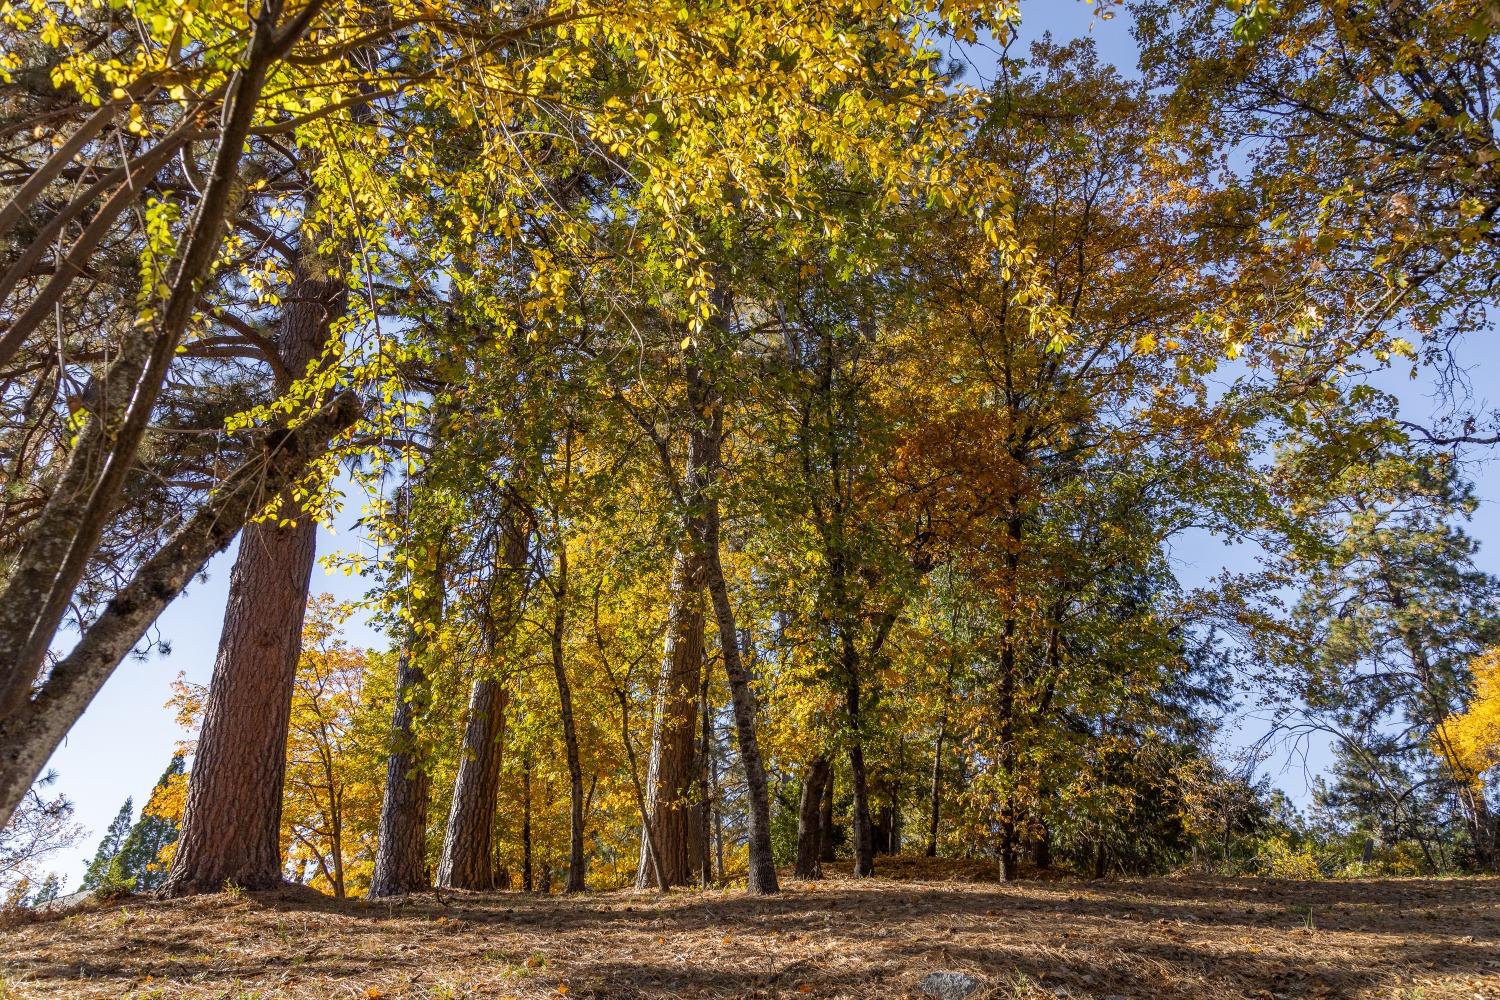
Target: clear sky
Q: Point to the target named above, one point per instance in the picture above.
(126, 738)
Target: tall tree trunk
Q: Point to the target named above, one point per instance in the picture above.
(526, 874)
(401, 852)
(935, 797)
(231, 828)
(825, 820)
(336, 843)
(467, 861)
(468, 848)
(29, 736)
(864, 834)
(762, 873)
(809, 827)
(705, 784)
(577, 859)
(705, 469)
(669, 777)
(1006, 709)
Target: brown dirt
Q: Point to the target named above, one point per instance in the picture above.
(1408, 939)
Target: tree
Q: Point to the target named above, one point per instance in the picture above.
(40, 827)
(1372, 154)
(141, 854)
(106, 868)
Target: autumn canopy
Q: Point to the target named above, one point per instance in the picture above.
(767, 429)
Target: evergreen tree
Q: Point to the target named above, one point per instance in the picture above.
(109, 848)
(49, 890)
(153, 831)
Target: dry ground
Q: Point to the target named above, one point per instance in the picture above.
(1150, 938)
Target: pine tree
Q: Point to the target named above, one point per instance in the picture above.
(98, 870)
(141, 851)
(50, 889)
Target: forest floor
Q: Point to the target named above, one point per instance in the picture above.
(1407, 939)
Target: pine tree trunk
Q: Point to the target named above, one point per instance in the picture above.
(401, 852)
(467, 860)
(231, 827)
(468, 846)
(669, 778)
(809, 828)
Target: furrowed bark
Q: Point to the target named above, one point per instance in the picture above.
(670, 771)
(231, 830)
(467, 860)
(467, 842)
(66, 535)
(29, 735)
(401, 854)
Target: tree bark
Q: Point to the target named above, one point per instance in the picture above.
(825, 820)
(762, 864)
(467, 861)
(809, 826)
(468, 847)
(30, 734)
(864, 834)
(706, 784)
(935, 797)
(231, 829)
(1006, 710)
(526, 874)
(55, 555)
(577, 859)
(401, 852)
(669, 775)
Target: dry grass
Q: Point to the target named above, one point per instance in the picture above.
(1152, 938)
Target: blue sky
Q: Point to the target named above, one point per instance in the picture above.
(126, 738)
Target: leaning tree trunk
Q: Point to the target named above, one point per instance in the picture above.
(705, 468)
(809, 828)
(401, 852)
(468, 845)
(669, 775)
(29, 736)
(467, 860)
(231, 829)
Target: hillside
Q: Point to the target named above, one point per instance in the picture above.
(1159, 938)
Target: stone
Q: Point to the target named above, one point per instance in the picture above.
(948, 985)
